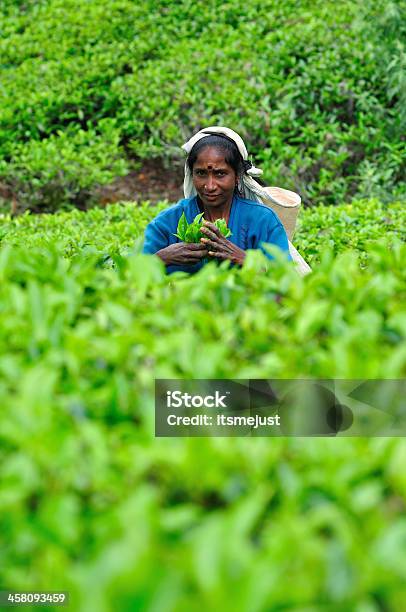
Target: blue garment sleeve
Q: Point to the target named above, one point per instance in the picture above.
(155, 238)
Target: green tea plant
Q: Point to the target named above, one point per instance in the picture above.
(85, 96)
(386, 25)
(92, 503)
(64, 169)
(116, 229)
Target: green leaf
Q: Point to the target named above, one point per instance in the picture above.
(198, 219)
(182, 227)
(222, 226)
(190, 233)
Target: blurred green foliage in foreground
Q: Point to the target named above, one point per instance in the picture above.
(92, 503)
(315, 87)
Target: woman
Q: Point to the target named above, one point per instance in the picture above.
(218, 183)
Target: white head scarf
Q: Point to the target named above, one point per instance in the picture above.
(251, 189)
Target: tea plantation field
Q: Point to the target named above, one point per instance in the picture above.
(92, 503)
(91, 89)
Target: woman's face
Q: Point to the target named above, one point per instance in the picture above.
(213, 178)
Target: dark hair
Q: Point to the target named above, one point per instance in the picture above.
(231, 153)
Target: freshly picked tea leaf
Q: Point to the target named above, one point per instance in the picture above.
(222, 226)
(182, 228)
(192, 232)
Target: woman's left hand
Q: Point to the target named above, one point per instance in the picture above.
(219, 247)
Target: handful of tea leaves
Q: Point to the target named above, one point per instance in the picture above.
(192, 232)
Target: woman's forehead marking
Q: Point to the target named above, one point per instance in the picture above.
(220, 165)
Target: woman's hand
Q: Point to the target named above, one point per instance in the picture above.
(219, 247)
(181, 253)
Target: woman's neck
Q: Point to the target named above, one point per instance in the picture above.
(212, 214)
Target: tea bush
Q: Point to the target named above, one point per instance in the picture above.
(64, 168)
(92, 503)
(306, 83)
(115, 229)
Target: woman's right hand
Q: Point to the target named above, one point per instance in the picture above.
(181, 253)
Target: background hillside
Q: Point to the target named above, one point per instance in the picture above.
(90, 90)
